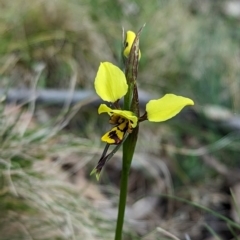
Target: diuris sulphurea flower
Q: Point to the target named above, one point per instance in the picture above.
(111, 85)
(114, 88)
(123, 121)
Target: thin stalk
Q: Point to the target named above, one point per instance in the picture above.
(122, 202)
(128, 151)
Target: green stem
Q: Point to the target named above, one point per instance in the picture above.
(122, 203)
(128, 151)
(130, 103)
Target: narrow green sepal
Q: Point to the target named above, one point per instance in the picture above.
(97, 174)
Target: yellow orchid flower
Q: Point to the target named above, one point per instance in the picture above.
(110, 85)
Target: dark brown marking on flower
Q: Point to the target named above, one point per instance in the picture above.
(118, 132)
(116, 119)
(113, 135)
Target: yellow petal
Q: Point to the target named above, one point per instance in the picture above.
(166, 107)
(110, 82)
(130, 37)
(103, 108)
(116, 134)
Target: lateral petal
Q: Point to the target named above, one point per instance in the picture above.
(166, 107)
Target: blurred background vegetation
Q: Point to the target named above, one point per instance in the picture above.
(190, 48)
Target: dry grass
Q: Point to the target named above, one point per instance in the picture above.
(38, 199)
